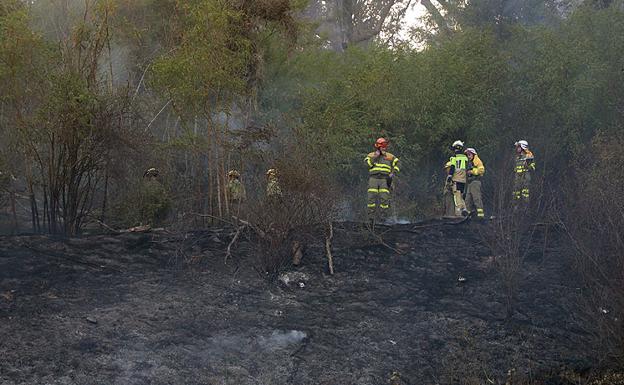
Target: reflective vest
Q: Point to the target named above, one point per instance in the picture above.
(460, 163)
(382, 165)
(525, 162)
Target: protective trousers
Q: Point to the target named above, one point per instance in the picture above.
(473, 198)
(378, 197)
(237, 207)
(521, 187)
(449, 201)
(458, 197)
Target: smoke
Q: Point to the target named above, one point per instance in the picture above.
(281, 339)
(221, 345)
(56, 19)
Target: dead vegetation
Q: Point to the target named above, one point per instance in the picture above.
(511, 233)
(593, 222)
(284, 225)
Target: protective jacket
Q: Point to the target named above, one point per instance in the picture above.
(380, 167)
(474, 200)
(383, 165)
(458, 164)
(273, 188)
(525, 165)
(525, 162)
(476, 167)
(236, 190)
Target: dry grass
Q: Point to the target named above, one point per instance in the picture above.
(511, 235)
(593, 220)
(300, 214)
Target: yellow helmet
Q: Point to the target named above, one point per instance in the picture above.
(271, 172)
(234, 174)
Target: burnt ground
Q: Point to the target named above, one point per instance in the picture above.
(152, 309)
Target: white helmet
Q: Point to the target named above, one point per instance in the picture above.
(522, 143)
(151, 172)
(458, 143)
(471, 150)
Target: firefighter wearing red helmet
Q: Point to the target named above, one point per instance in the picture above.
(382, 167)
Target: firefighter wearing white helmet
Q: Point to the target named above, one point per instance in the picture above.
(525, 165)
(476, 170)
(151, 172)
(457, 176)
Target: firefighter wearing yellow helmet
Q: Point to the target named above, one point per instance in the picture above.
(273, 189)
(382, 168)
(236, 189)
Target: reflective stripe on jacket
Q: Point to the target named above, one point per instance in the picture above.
(458, 165)
(385, 164)
(525, 162)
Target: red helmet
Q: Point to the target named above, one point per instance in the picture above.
(381, 143)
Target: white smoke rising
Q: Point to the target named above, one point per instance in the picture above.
(281, 339)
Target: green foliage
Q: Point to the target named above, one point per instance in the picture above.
(211, 60)
(421, 100)
(21, 52)
(245, 71)
(554, 85)
(148, 202)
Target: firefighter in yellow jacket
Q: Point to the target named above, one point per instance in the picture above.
(476, 170)
(525, 165)
(236, 192)
(273, 189)
(382, 167)
(457, 174)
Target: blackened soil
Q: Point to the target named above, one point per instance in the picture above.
(160, 309)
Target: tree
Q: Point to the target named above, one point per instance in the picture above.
(211, 77)
(68, 121)
(344, 23)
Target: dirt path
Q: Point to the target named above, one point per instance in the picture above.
(124, 310)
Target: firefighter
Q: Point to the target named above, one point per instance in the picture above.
(154, 202)
(273, 189)
(525, 165)
(382, 167)
(458, 165)
(274, 195)
(476, 170)
(447, 195)
(236, 191)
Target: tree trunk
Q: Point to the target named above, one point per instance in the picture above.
(436, 16)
